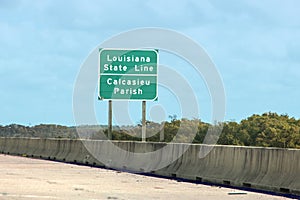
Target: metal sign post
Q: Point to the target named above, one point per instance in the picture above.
(143, 121)
(109, 128)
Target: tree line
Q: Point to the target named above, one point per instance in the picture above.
(266, 130)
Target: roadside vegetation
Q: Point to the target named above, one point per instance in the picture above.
(266, 130)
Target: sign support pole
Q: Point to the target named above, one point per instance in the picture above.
(143, 121)
(109, 130)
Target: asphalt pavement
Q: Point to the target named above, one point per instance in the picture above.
(26, 178)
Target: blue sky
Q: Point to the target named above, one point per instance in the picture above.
(254, 44)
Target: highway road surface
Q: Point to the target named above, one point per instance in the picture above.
(25, 178)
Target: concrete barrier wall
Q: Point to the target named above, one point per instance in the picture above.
(262, 168)
(272, 169)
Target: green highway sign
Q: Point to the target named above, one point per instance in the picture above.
(128, 74)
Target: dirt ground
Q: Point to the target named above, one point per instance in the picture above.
(25, 178)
